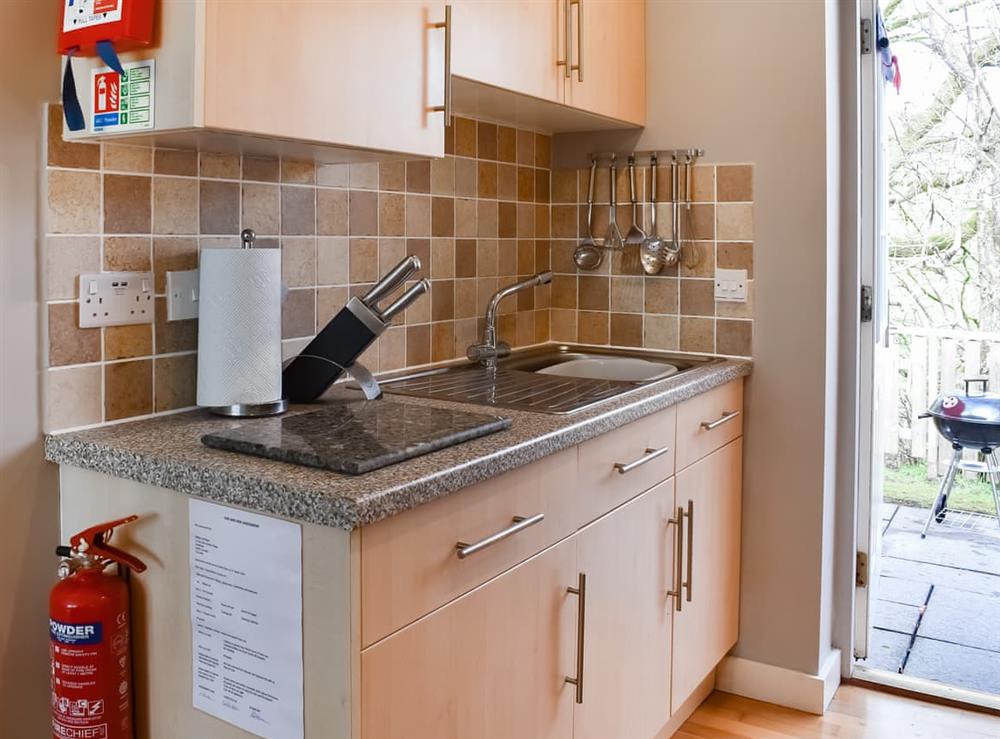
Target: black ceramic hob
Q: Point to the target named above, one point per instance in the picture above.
(355, 437)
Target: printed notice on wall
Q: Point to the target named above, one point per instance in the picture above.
(246, 619)
(125, 102)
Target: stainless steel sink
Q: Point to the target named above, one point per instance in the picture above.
(519, 383)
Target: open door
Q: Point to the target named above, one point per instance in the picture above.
(874, 335)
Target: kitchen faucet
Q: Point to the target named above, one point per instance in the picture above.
(489, 350)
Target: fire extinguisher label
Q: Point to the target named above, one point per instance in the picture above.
(79, 14)
(123, 102)
(75, 634)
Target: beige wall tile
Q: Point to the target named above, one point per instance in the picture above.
(363, 213)
(126, 342)
(563, 324)
(219, 165)
(465, 137)
(219, 207)
(392, 176)
(442, 300)
(735, 183)
(64, 153)
(329, 301)
(260, 169)
(418, 215)
(65, 258)
(128, 389)
(507, 182)
(333, 175)
(697, 297)
(442, 259)
(262, 208)
(175, 205)
(443, 176)
(626, 329)
(68, 343)
(333, 264)
(299, 172)
(125, 158)
(627, 294)
(298, 261)
(391, 252)
(298, 210)
(392, 349)
(734, 337)
(698, 259)
(592, 327)
(466, 178)
(176, 382)
(391, 214)
(702, 184)
(697, 334)
(594, 292)
(418, 176)
(171, 254)
(419, 311)
(661, 295)
(73, 397)
(74, 200)
(298, 314)
(465, 298)
(175, 162)
(506, 144)
(661, 332)
(698, 222)
(735, 222)
(418, 344)
(173, 336)
(525, 147)
(128, 253)
(487, 140)
(736, 256)
(727, 309)
(332, 212)
(363, 260)
(364, 176)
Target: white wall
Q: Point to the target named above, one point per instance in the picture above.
(746, 80)
(29, 512)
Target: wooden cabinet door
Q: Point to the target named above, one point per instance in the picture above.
(345, 72)
(628, 560)
(490, 665)
(511, 44)
(708, 624)
(609, 44)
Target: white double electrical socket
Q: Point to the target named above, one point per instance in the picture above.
(731, 285)
(182, 295)
(115, 298)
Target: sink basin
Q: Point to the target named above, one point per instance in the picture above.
(623, 369)
(557, 379)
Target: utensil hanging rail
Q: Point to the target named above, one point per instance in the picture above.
(647, 154)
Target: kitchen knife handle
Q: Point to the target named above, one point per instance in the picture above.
(403, 301)
(396, 277)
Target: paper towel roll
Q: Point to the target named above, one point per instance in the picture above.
(239, 326)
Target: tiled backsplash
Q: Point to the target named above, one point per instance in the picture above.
(479, 219)
(617, 304)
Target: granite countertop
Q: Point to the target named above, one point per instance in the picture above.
(167, 452)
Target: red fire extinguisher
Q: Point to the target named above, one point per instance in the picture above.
(89, 638)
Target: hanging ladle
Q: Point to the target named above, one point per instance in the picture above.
(651, 251)
(588, 255)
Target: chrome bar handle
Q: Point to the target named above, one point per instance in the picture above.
(520, 523)
(690, 549)
(567, 40)
(446, 25)
(578, 67)
(581, 618)
(677, 590)
(726, 417)
(649, 456)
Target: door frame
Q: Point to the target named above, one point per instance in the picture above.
(872, 335)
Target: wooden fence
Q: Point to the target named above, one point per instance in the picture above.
(923, 363)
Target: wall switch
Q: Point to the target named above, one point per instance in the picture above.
(182, 295)
(731, 285)
(115, 298)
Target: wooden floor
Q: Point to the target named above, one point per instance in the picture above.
(854, 713)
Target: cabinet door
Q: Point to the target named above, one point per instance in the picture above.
(609, 45)
(511, 44)
(628, 560)
(708, 624)
(492, 664)
(345, 72)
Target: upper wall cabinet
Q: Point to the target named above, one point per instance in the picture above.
(335, 75)
(586, 56)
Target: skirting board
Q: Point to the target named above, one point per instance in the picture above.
(784, 687)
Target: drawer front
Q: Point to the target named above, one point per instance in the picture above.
(709, 422)
(410, 563)
(621, 464)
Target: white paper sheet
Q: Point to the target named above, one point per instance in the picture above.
(246, 619)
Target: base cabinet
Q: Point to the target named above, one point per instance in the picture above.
(707, 625)
(627, 558)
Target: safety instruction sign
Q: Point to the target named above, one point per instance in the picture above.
(123, 102)
(79, 14)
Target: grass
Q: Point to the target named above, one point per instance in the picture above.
(908, 485)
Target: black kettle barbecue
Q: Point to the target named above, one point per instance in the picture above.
(967, 421)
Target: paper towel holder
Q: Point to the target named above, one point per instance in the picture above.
(250, 410)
